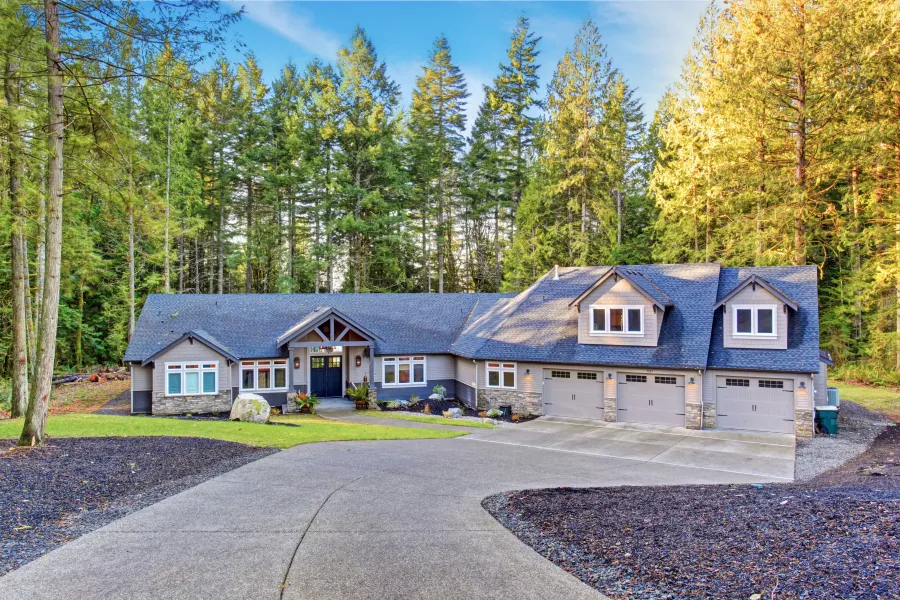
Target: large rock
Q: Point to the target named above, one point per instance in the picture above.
(454, 413)
(251, 408)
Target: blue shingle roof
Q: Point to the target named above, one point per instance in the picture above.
(538, 325)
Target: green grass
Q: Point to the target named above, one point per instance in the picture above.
(426, 419)
(310, 429)
(877, 399)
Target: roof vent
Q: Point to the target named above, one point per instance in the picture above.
(555, 272)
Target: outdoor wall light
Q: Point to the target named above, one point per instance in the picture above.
(691, 381)
(358, 360)
(528, 371)
(296, 362)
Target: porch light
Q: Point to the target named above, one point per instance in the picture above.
(803, 396)
(610, 386)
(358, 360)
(528, 371)
(296, 362)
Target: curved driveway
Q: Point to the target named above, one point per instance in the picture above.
(388, 519)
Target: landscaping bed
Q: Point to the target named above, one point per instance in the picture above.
(835, 536)
(55, 493)
(438, 407)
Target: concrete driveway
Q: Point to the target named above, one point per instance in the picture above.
(395, 519)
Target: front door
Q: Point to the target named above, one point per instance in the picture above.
(325, 375)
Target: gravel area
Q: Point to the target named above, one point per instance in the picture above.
(120, 405)
(53, 494)
(835, 536)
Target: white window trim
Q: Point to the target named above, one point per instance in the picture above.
(255, 368)
(200, 370)
(625, 308)
(411, 360)
(754, 309)
(488, 369)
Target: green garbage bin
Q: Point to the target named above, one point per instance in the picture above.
(827, 418)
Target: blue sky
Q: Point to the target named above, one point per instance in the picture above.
(646, 39)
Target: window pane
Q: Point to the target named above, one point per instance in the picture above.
(744, 316)
(599, 319)
(390, 375)
(318, 362)
(419, 373)
(404, 373)
(209, 366)
(247, 381)
(209, 382)
(509, 380)
(634, 319)
(192, 383)
(764, 320)
(280, 378)
(264, 379)
(174, 386)
(494, 378)
(615, 319)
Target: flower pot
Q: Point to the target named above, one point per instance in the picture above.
(305, 410)
(362, 405)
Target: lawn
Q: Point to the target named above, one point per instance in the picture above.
(309, 429)
(426, 419)
(877, 399)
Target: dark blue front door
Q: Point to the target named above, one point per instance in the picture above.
(325, 376)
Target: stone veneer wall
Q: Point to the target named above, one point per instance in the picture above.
(709, 415)
(803, 423)
(692, 412)
(523, 403)
(609, 410)
(176, 405)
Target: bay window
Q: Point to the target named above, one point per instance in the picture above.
(192, 379)
(403, 370)
(264, 375)
(501, 375)
(754, 320)
(617, 320)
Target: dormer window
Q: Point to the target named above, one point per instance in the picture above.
(617, 320)
(757, 321)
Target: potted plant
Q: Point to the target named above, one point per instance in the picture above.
(360, 395)
(307, 402)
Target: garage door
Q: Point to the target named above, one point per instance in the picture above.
(649, 398)
(575, 394)
(757, 404)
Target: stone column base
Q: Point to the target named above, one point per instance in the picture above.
(692, 415)
(609, 410)
(709, 415)
(373, 397)
(803, 423)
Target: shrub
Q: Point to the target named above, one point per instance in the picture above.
(392, 404)
(413, 400)
(309, 401)
(358, 393)
(494, 413)
(865, 372)
(440, 391)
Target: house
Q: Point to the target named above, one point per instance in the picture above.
(691, 345)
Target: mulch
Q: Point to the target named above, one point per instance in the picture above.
(52, 494)
(836, 536)
(438, 407)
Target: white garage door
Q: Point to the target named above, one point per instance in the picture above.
(577, 394)
(649, 398)
(754, 403)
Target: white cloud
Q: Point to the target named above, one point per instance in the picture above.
(299, 29)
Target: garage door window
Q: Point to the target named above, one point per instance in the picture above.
(560, 374)
(617, 320)
(737, 382)
(636, 378)
(589, 376)
(666, 380)
(772, 384)
(501, 375)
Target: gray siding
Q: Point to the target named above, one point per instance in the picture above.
(141, 378)
(760, 296)
(440, 366)
(618, 293)
(356, 374)
(141, 401)
(185, 352)
(820, 384)
(299, 375)
(466, 394)
(403, 392)
(465, 371)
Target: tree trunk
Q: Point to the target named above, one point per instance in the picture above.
(131, 301)
(356, 246)
(79, 354)
(801, 170)
(497, 269)
(248, 277)
(181, 259)
(618, 218)
(166, 274)
(35, 426)
(19, 258)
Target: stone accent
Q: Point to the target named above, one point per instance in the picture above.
(523, 403)
(609, 410)
(803, 423)
(373, 397)
(692, 415)
(178, 405)
(709, 415)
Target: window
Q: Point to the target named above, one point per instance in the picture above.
(618, 320)
(737, 382)
(403, 370)
(266, 375)
(501, 375)
(771, 383)
(665, 380)
(192, 379)
(560, 374)
(636, 378)
(590, 376)
(754, 320)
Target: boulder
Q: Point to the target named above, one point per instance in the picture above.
(251, 408)
(454, 413)
(435, 397)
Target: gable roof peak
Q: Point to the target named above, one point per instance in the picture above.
(638, 280)
(754, 280)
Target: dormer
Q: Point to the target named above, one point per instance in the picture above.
(622, 308)
(755, 315)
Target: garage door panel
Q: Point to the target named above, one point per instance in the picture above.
(755, 403)
(651, 398)
(575, 394)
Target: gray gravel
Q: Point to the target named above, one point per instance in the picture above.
(857, 429)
